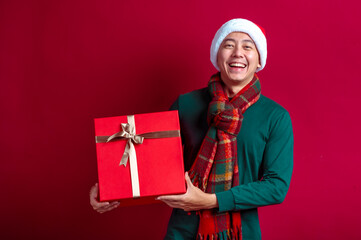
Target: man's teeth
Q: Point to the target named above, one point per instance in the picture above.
(237, 65)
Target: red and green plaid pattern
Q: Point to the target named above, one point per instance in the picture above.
(215, 168)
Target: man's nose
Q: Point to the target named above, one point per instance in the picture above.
(238, 52)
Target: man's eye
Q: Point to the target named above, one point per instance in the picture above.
(228, 45)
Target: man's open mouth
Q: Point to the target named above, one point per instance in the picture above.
(238, 65)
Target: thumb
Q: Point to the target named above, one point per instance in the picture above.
(94, 191)
(188, 181)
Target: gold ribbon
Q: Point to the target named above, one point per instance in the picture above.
(128, 132)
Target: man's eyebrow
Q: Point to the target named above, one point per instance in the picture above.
(229, 39)
(249, 41)
(244, 41)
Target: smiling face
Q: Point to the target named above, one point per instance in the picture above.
(237, 59)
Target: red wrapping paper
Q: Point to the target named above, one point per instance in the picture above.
(160, 160)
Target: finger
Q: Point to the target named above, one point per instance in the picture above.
(111, 204)
(103, 209)
(97, 204)
(188, 180)
(94, 191)
(93, 198)
(169, 198)
(109, 207)
(172, 204)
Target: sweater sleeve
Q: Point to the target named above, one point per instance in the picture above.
(277, 166)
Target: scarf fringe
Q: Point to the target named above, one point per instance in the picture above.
(233, 234)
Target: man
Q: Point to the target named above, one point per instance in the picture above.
(238, 144)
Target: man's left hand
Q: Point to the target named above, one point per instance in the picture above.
(194, 199)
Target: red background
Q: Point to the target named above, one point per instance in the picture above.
(63, 63)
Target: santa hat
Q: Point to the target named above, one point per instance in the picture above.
(241, 25)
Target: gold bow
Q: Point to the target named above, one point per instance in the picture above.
(128, 132)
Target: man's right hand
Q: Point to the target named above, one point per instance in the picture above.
(100, 207)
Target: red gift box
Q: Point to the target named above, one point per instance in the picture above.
(159, 161)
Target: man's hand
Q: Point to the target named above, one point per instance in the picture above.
(100, 207)
(194, 199)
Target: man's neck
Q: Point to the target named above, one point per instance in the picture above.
(232, 89)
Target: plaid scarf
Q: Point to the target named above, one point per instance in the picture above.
(215, 168)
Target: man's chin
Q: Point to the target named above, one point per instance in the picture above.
(237, 79)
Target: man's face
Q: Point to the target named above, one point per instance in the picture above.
(237, 59)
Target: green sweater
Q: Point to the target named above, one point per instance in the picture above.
(265, 160)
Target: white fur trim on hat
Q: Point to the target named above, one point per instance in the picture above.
(240, 25)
